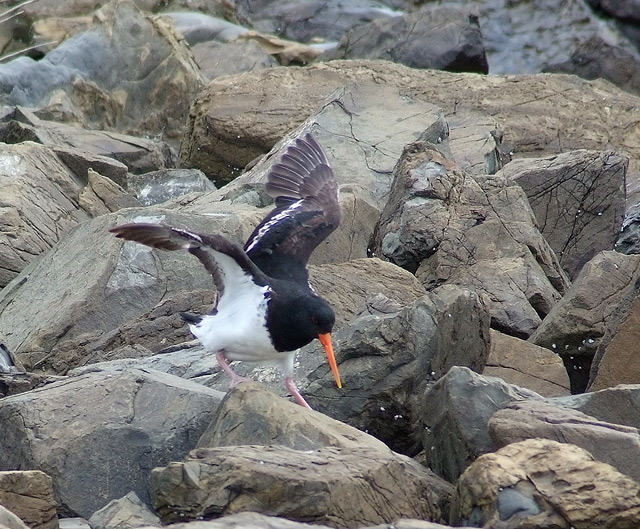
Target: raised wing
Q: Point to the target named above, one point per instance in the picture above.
(225, 260)
(307, 211)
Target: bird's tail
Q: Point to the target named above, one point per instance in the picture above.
(191, 318)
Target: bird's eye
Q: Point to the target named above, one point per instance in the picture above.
(314, 319)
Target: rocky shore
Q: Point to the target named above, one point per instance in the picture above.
(485, 275)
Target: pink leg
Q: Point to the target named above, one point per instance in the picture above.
(291, 386)
(235, 378)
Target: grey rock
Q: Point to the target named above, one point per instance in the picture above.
(74, 522)
(595, 306)
(544, 484)
(92, 294)
(151, 417)
(200, 27)
(597, 59)
(327, 485)
(166, 184)
(127, 512)
(107, 152)
(29, 494)
(250, 414)
(618, 405)
(217, 59)
(8, 520)
(154, 69)
(454, 413)
(444, 38)
(304, 22)
(578, 199)
(531, 28)
(452, 228)
(385, 359)
(526, 365)
(617, 445)
(623, 9)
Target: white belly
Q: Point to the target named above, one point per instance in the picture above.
(238, 329)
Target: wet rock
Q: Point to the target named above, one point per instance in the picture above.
(589, 314)
(102, 196)
(153, 418)
(615, 444)
(578, 199)
(127, 512)
(447, 38)
(454, 413)
(385, 358)
(526, 365)
(328, 485)
(542, 483)
(29, 494)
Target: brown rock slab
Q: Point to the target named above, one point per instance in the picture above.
(335, 486)
(615, 444)
(540, 483)
(251, 414)
(527, 365)
(617, 362)
(29, 494)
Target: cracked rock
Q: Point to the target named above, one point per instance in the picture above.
(98, 434)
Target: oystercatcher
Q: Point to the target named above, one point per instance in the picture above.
(266, 308)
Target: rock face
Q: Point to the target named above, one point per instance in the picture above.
(598, 301)
(329, 485)
(442, 39)
(454, 413)
(29, 494)
(542, 483)
(524, 364)
(578, 199)
(451, 228)
(151, 417)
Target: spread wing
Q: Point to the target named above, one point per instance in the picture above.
(229, 265)
(307, 211)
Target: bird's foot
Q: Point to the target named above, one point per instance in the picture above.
(291, 386)
(235, 378)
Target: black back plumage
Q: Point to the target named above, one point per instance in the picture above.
(307, 211)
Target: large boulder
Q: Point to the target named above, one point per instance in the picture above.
(578, 199)
(540, 483)
(155, 82)
(452, 228)
(454, 413)
(586, 319)
(615, 444)
(98, 434)
(328, 485)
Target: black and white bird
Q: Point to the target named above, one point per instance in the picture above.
(266, 308)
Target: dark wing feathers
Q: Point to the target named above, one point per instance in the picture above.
(307, 211)
(222, 258)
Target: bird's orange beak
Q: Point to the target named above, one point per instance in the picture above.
(325, 340)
